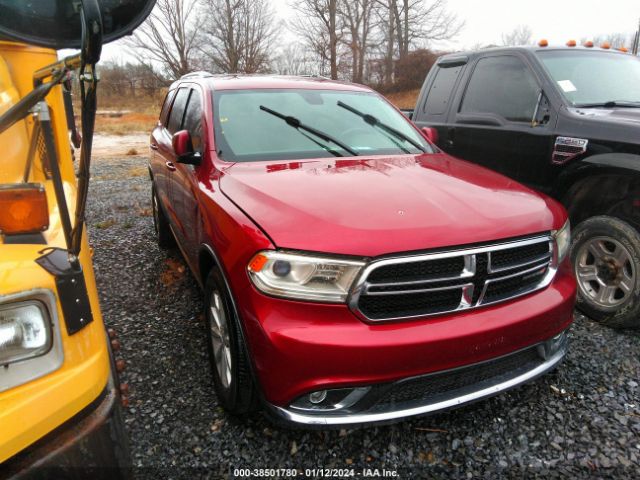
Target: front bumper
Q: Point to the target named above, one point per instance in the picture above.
(435, 392)
(298, 348)
(92, 444)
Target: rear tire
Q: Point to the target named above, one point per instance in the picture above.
(164, 236)
(230, 367)
(605, 253)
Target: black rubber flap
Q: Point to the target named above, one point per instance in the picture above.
(72, 289)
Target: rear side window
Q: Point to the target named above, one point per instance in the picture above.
(166, 106)
(193, 119)
(503, 86)
(441, 89)
(177, 111)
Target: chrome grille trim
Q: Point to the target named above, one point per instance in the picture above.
(362, 288)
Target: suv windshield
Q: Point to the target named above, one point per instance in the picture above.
(593, 78)
(246, 132)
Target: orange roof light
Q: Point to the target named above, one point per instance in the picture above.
(605, 45)
(23, 209)
(571, 43)
(588, 44)
(623, 49)
(543, 43)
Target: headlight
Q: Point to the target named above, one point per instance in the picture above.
(25, 332)
(563, 241)
(303, 277)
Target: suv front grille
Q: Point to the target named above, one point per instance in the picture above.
(437, 283)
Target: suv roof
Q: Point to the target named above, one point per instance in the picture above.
(245, 82)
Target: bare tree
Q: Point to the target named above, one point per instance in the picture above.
(357, 17)
(240, 34)
(170, 37)
(418, 21)
(409, 24)
(521, 35)
(615, 40)
(295, 60)
(320, 25)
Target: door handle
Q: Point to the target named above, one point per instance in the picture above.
(153, 146)
(170, 166)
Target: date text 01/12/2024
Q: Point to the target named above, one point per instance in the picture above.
(314, 473)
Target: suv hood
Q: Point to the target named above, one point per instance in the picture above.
(375, 206)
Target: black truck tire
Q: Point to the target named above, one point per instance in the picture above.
(605, 253)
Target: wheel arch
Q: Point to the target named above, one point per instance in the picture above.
(208, 260)
(607, 184)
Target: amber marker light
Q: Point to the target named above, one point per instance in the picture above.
(571, 43)
(23, 209)
(543, 43)
(623, 49)
(257, 263)
(588, 44)
(605, 45)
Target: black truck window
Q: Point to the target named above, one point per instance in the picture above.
(503, 86)
(440, 91)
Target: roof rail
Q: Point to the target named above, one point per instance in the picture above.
(201, 74)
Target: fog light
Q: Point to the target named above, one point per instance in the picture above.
(552, 346)
(336, 400)
(318, 397)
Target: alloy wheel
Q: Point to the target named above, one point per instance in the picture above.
(220, 339)
(605, 271)
(156, 219)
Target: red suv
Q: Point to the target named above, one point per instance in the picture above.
(353, 273)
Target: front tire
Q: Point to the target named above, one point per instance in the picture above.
(164, 236)
(230, 367)
(605, 252)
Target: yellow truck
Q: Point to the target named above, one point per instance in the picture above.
(60, 397)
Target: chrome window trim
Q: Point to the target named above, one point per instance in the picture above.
(24, 371)
(361, 286)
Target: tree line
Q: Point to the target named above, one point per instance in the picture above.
(357, 40)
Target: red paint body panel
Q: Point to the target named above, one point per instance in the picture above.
(379, 205)
(364, 207)
(299, 347)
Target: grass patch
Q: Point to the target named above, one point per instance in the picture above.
(405, 99)
(137, 172)
(126, 124)
(105, 224)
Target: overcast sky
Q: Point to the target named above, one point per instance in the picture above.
(485, 20)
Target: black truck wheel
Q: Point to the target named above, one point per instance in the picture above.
(605, 252)
(230, 367)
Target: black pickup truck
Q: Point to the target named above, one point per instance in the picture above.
(565, 121)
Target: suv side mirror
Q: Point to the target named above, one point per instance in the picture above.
(430, 134)
(183, 148)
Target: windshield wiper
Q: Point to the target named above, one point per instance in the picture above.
(374, 122)
(298, 125)
(610, 104)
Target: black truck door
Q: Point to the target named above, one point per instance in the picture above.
(493, 124)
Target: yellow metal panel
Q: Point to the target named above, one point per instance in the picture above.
(32, 410)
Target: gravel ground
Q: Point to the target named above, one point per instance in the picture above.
(582, 421)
